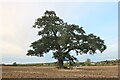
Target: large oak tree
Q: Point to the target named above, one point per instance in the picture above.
(61, 38)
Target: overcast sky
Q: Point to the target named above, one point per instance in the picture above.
(17, 33)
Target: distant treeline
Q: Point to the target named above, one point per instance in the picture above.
(77, 64)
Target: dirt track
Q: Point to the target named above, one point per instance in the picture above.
(51, 72)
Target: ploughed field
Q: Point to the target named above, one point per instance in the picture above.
(52, 72)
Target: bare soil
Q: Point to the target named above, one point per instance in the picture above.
(52, 72)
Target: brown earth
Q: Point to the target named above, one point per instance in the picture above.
(52, 72)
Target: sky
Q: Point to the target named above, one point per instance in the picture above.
(17, 34)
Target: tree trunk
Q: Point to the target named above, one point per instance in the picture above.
(60, 63)
(60, 58)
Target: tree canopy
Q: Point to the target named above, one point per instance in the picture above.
(61, 38)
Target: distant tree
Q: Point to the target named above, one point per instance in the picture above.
(88, 62)
(61, 38)
(14, 64)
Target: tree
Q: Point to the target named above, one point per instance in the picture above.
(88, 62)
(61, 38)
(14, 64)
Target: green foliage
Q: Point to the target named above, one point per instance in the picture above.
(61, 38)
